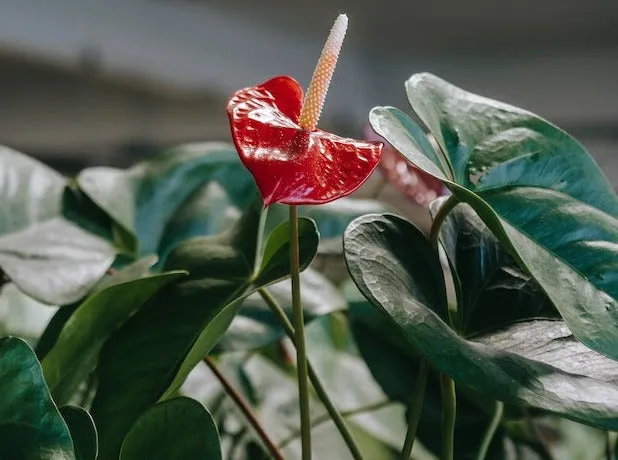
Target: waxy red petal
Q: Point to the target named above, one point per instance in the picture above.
(292, 165)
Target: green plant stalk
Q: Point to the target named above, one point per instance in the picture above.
(299, 333)
(491, 430)
(245, 409)
(415, 409)
(333, 412)
(449, 399)
(448, 416)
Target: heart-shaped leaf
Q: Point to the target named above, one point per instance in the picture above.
(144, 199)
(152, 354)
(534, 186)
(31, 427)
(373, 245)
(48, 257)
(177, 428)
(83, 432)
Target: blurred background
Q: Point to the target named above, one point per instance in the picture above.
(86, 82)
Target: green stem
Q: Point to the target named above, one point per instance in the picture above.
(491, 430)
(415, 409)
(333, 412)
(439, 218)
(448, 416)
(245, 409)
(299, 332)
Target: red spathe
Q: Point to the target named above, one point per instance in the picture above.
(292, 165)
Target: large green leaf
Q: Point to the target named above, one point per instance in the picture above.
(48, 257)
(151, 355)
(75, 352)
(492, 290)
(533, 185)
(144, 199)
(83, 432)
(31, 427)
(373, 245)
(179, 428)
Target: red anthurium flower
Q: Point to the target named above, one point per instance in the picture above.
(275, 133)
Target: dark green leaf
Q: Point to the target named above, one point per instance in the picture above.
(83, 432)
(152, 354)
(534, 186)
(179, 428)
(373, 257)
(493, 291)
(76, 350)
(30, 426)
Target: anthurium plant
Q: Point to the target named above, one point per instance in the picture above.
(181, 309)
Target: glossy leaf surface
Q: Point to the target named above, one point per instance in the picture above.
(534, 186)
(492, 290)
(372, 257)
(31, 427)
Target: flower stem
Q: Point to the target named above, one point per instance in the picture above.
(245, 409)
(333, 412)
(299, 333)
(448, 416)
(416, 406)
(491, 430)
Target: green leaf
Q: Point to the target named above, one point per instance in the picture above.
(492, 290)
(178, 428)
(276, 259)
(21, 315)
(31, 427)
(551, 342)
(55, 261)
(83, 432)
(256, 326)
(45, 255)
(373, 256)
(143, 199)
(152, 354)
(77, 348)
(526, 179)
(394, 366)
